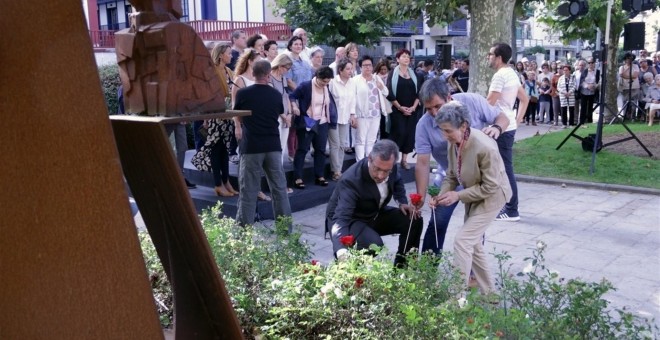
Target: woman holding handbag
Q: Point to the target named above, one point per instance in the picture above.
(371, 94)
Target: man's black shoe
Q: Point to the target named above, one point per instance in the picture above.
(190, 185)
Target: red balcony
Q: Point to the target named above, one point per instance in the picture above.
(209, 30)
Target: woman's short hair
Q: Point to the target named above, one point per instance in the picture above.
(341, 65)
(268, 44)
(402, 52)
(453, 113)
(316, 51)
(365, 57)
(568, 67)
(324, 72)
(292, 40)
(349, 47)
(282, 60)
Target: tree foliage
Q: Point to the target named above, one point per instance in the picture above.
(333, 23)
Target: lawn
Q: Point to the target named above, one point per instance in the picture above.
(616, 164)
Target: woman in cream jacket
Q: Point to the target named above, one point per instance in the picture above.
(370, 104)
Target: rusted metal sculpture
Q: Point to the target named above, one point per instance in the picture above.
(164, 67)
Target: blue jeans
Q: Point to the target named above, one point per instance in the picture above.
(249, 181)
(442, 214)
(305, 139)
(505, 145)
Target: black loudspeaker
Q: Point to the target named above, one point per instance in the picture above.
(443, 56)
(633, 36)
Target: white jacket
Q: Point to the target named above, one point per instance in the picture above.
(344, 94)
(362, 96)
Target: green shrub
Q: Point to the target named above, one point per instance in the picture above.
(110, 82)
(279, 293)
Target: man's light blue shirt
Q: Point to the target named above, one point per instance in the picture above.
(429, 138)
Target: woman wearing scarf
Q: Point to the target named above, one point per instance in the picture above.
(474, 163)
(316, 113)
(403, 86)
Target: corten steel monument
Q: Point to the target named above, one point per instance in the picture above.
(164, 67)
(70, 260)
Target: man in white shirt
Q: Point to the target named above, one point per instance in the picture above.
(340, 53)
(504, 88)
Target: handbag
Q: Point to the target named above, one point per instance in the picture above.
(311, 124)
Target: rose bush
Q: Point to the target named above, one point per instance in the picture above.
(279, 292)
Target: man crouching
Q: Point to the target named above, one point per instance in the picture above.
(358, 210)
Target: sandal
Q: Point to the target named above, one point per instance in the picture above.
(299, 184)
(322, 182)
(263, 197)
(336, 176)
(405, 165)
(289, 191)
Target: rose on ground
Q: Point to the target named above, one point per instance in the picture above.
(347, 240)
(359, 282)
(314, 262)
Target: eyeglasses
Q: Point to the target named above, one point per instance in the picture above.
(591, 62)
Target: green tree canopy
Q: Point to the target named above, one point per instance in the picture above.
(332, 23)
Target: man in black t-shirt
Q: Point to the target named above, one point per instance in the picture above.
(259, 140)
(462, 75)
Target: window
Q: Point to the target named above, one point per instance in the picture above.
(419, 44)
(185, 16)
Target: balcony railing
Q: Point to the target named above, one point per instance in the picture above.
(208, 30)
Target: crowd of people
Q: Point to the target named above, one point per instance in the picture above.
(383, 111)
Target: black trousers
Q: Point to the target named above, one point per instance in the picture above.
(586, 108)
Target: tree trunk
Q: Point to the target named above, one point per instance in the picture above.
(611, 91)
(490, 23)
(514, 50)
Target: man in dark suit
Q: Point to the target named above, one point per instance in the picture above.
(358, 206)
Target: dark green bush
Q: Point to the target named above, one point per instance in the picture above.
(110, 82)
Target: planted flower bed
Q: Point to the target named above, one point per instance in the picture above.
(278, 291)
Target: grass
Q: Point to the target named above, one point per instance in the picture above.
(537, 156)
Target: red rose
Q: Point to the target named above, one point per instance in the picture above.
(470, 320)
(359, 282)
(499, 334)
(314, 262)
(347, 240)
(415, 199)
